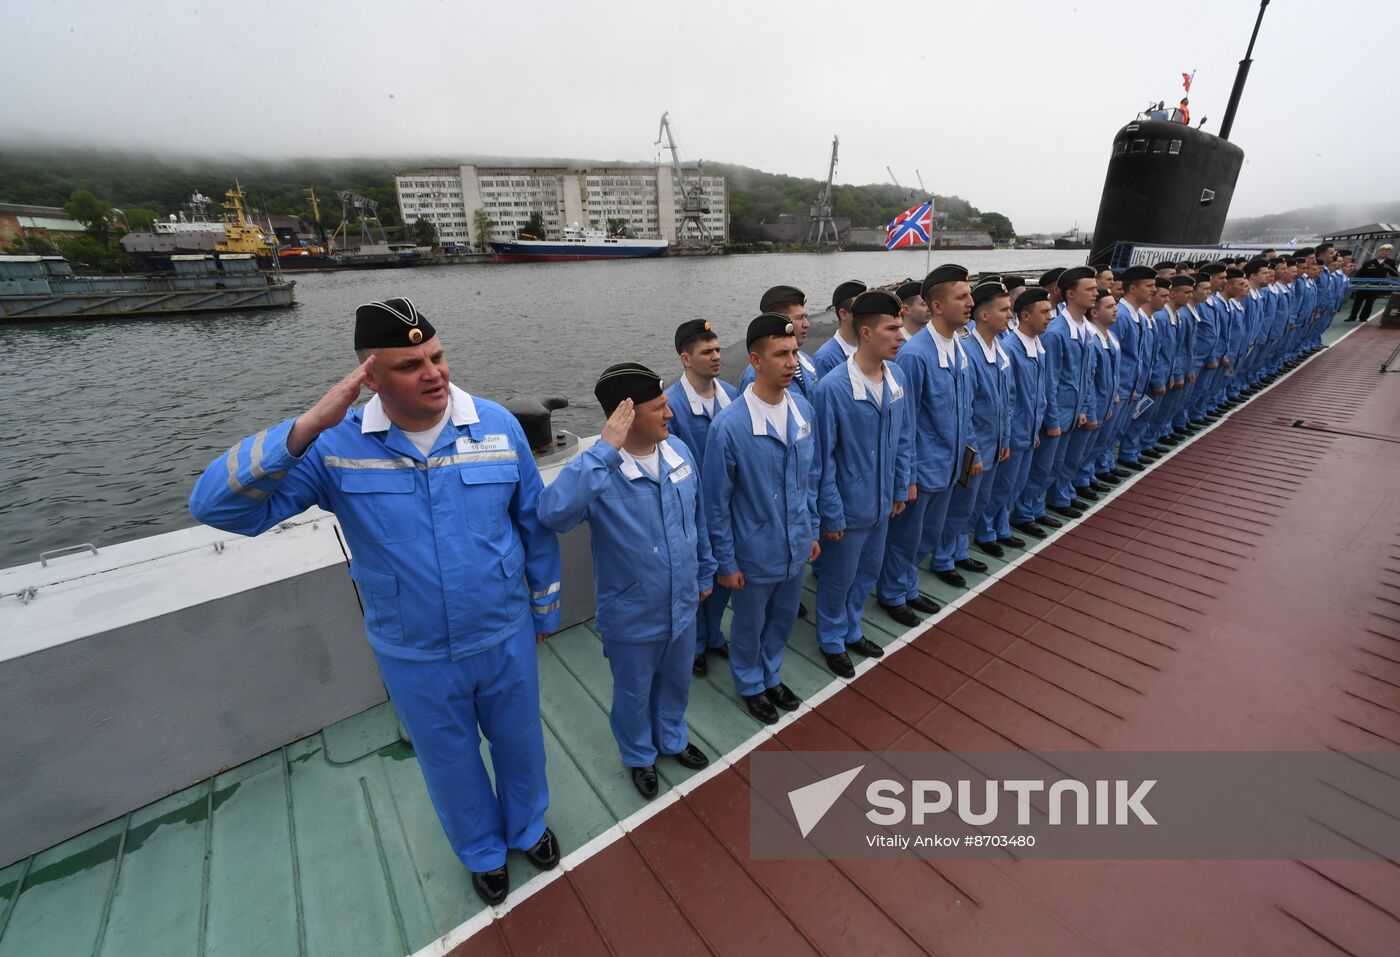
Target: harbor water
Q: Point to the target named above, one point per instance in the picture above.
(105, 425)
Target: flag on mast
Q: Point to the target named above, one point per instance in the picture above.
(1186, 79)
(913, 227)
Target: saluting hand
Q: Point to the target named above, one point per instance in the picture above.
(619, 424)
(329, 411)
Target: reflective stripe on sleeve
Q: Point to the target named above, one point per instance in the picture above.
(546, 593)
(237, 486)
(544, 609)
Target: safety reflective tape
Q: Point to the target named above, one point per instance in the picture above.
(464, 458)
(255, 458)
(546, 593)
(237, 486)
(335, 461)
(544, 609)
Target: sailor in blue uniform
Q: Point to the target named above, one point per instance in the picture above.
(1202, 342)
(1177, 348)
(1107, 402)
(991, 427)
(1282, 305)
(1217, 314)
(1028, 369)
(1049, 486)
(638, 488)
(760, 484)
(1258, 307)
(1139, 285)
(842, 344)
(695, 399)
(436, 493)
(791, 302)
(915, 316)
(865, 441)
(1235, 288)
(1140, 431)
(939, 392)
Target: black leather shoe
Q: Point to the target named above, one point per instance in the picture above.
(782, 696)
(801, 610)
(1130, 467)
(1029, 528)
(761, 708)
(993, 549)
(700, 669)
(692, 757)
(1011, 541)
(1100, 486)
(972, 565)
(1182, 433)
(1079, 503)
(491, 886)
(722, 651)
(1087, 494)
(644, 779)
(1151, 455)
(952, 578)
(840, 664)
(923, 605)
(1161, 449)
(1108, 479)
(1068, 511)
(864, 646)
(1049, 522)
(901, 614)
(545, 853)
(1121, 473)
(1172, 441)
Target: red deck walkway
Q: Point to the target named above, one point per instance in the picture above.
(1243, 595)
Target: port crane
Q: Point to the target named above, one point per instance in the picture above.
(821, 210)
(694, 203)
(368, 212)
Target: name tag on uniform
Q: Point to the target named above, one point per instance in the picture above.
(489, 443)
(680, 474)
(804, 430)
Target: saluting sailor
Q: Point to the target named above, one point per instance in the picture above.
(791, 302)
(695, 399)
(436, 492)
(639, 490)
(865, 435)
(760, 488)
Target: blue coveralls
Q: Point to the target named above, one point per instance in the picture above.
(804, 383)
(991, 429)
(1067, 358)
(830, 355)
(651, 560)
(1129, 330)
(1184, 369)
(939, 391)
(1278, 325)
(865, 449)
(1029, 378)
(1234, 349)
(456, 575)
(1202, 335)
(1216, 315)
(1170, 331)
(760, 495)
(691, 424)
(1105, 390)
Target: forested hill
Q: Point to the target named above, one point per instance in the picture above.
(161, 184)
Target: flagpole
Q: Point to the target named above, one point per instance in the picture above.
(928, 252)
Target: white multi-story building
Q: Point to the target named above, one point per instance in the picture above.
(450, 197)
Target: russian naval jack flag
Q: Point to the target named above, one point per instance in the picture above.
(911, 227)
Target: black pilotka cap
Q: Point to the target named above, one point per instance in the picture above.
(847, 290)
(1050, 276)
(1234, 272)
(1254, 265)
(1030, 297)
(392, 324)
(1163, 282)
(877, 302)
(1164, 265)
(1200, 277)
(987, 290)
(1138, 273)
(782, 296)
(690, 330)
(626, 380)
(1101, 295)
(1212, 269)
(908, 289)
(1183, 280)
(948, 272)
(768, 324)
(1012, 283)
(1069, 277)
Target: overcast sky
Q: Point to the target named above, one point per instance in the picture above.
(1011, 105)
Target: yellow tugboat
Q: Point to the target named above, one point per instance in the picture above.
(240, 234)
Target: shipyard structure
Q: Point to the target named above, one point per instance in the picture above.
(648, 198)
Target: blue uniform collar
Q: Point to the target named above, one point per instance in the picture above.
(632, 471)
(858, 385)
(797, 425)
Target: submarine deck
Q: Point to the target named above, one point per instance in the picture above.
(1254, 604)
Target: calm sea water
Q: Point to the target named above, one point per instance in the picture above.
(104, 426)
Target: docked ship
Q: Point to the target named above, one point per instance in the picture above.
(45, 287)
(578, 244)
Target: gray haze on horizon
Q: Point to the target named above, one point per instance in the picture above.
(1019, 107)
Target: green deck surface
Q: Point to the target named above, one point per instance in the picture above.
(330, 844)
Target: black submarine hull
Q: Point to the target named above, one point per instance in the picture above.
(1167, 184)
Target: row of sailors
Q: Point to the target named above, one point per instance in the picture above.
(896, 443)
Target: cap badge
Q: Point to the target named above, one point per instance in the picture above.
(415, 335)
